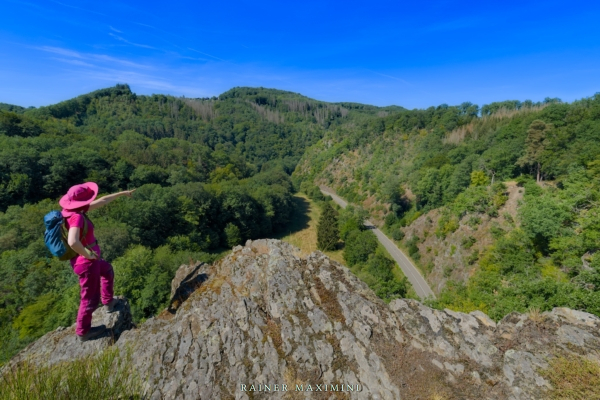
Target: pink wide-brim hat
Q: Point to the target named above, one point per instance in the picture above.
(79, 196)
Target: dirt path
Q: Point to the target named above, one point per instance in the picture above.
(412, 273)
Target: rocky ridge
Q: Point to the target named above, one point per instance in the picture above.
(263, 315)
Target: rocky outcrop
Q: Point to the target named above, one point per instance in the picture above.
(63, 345)
(291, 327)
(187, 279)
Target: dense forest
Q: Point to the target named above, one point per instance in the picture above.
(211, 173)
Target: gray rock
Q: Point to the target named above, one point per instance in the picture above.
(262, 317)
(63, 344)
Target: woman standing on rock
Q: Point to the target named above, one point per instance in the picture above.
(96, 276)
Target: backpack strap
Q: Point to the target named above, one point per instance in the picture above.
(85, 225)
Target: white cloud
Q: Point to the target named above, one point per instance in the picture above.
(145, 46)
(91, 57)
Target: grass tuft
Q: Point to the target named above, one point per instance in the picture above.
(104, 376)
(535, 314)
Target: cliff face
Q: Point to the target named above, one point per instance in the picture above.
(264, 316)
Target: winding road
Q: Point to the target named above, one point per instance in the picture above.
(410, 271)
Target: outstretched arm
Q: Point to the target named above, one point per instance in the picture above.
(108, 198)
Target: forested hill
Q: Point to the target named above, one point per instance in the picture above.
(439, 181)
(210, 174)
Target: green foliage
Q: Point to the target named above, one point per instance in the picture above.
(479, 178)
(31, 319)
(144, 276)
(479, 200)
(510, 278)
(327, 229)
(358, 246)
(351, 218)
(413, 249)
(468, 242)
(535, 144)
(233, 235)
(369, 261)
(447, 223)
(543, 217)
(312, 191)
(397, 233)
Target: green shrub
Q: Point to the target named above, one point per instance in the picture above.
(474, 221)
(413, 249)
(447, 223)
(452, 250)
(448, 271)
(473, 257)
(397, 233)
(359, 245)
(233, 235)
(312, 191)
(468, 242)
(429, 267)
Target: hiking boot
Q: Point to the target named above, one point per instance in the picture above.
(112, 305)
(92, 333)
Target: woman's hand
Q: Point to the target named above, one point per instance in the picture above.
(90, 254)
(108, 198)
(128, 193)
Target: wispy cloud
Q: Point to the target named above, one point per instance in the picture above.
(115, 29)
(90, 57)
(126, 63)
(61, 51)
(74, 62)
(146, 25)
(206, 54)
(145, 46)
(191, 58)
(79, 8)
(391, 77)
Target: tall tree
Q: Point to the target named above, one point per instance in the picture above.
(327, 230)
(534, 146)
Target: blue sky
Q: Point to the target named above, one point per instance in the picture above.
(412, 54)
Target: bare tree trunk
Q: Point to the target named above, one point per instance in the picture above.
(538, 173)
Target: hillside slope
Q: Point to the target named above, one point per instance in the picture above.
(442, 180)
(264, 316)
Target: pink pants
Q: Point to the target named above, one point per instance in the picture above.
(96, 278)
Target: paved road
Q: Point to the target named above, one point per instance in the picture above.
(412, 273)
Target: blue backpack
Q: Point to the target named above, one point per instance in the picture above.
(56, 236)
